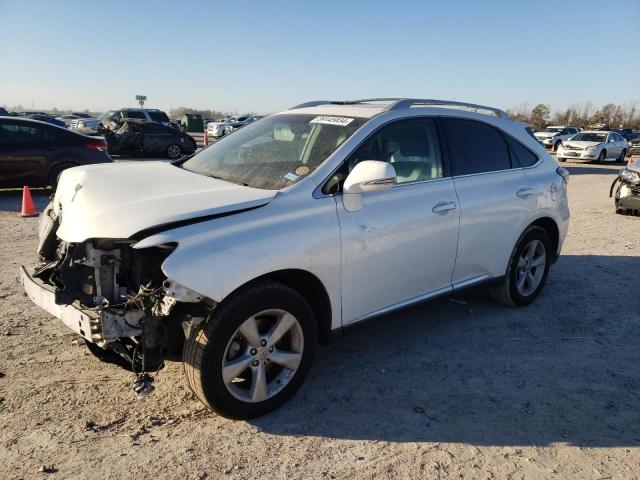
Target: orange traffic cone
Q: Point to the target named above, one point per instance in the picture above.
(28, 208)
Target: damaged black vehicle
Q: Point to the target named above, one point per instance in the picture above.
(627, 194)
(140, 137)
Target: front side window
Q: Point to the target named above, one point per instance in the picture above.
(475, 147)
(275, 152)
(411, 146)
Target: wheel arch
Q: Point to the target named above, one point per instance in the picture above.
(551, 227)
(311, 288)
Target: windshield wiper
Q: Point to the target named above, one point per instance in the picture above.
(228, 180)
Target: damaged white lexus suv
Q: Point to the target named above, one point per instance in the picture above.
(245, 255)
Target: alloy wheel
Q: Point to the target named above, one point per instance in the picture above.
(262, 355)
(531, 267)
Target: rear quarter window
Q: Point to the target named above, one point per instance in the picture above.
(523, 157)
(158, 116)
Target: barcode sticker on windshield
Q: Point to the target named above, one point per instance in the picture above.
(339, 121)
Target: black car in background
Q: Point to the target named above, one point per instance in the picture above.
(35, 153)
(47, 119)
(140, 137)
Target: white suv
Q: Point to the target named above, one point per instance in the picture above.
(247, 253)
(553, 136)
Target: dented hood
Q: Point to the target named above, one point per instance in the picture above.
(121, 199)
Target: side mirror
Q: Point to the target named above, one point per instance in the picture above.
(367, 176)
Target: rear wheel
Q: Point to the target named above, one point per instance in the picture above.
(527, 271)
(253, 352)
(174, 151)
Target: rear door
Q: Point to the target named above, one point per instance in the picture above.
(23, 153)
(496, 198)
(157, 138)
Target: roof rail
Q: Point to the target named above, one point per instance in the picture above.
(410, 102)
(315, 103)
(401, 103)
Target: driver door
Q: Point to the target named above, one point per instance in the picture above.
(401, 246)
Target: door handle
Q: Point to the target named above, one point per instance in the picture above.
(525, 192)
(444, 207)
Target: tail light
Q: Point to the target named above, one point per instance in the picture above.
(100, 146)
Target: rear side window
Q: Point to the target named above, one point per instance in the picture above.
(523, 157)
(475, 147)
(135, 114)
(11, 132)
(158, 116)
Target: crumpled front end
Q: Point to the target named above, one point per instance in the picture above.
(113, 295)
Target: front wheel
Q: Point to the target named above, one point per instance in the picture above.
(527, 271)
(174, 151)
(253, 352)
(602, 156)
(622, 156)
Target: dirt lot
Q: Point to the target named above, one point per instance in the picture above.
(465, 389)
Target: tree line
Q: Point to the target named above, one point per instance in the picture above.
(583, 115)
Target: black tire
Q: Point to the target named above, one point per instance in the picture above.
(54, 175)
(602, 156)
(622, 157)
(556, 146)
(174, 151)
(205, 348)
(507, 293)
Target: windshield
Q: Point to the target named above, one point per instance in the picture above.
(274, 152)
(590, 137)
(553, 129)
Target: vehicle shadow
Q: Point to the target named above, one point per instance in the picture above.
(11, 199)
(565, 369)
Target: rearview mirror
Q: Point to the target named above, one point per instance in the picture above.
(366, 176)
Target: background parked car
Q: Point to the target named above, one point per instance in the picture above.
(627, 133)
(218, 128)
(135, 137)
(86, 126)
(634, 146)
(35, 153)
(594, 146)
(47, 119)
(552, 136)
(113, 119)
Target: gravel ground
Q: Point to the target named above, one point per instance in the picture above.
(463, 388)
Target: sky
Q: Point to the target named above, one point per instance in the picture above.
(263, 57)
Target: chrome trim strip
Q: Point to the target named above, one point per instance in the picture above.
(470, 281)
(404, 303)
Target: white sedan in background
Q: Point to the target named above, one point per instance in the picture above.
(594, 146)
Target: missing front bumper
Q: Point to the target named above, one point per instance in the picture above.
(97, 326)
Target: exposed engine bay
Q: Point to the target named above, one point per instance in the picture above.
(126, 305)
